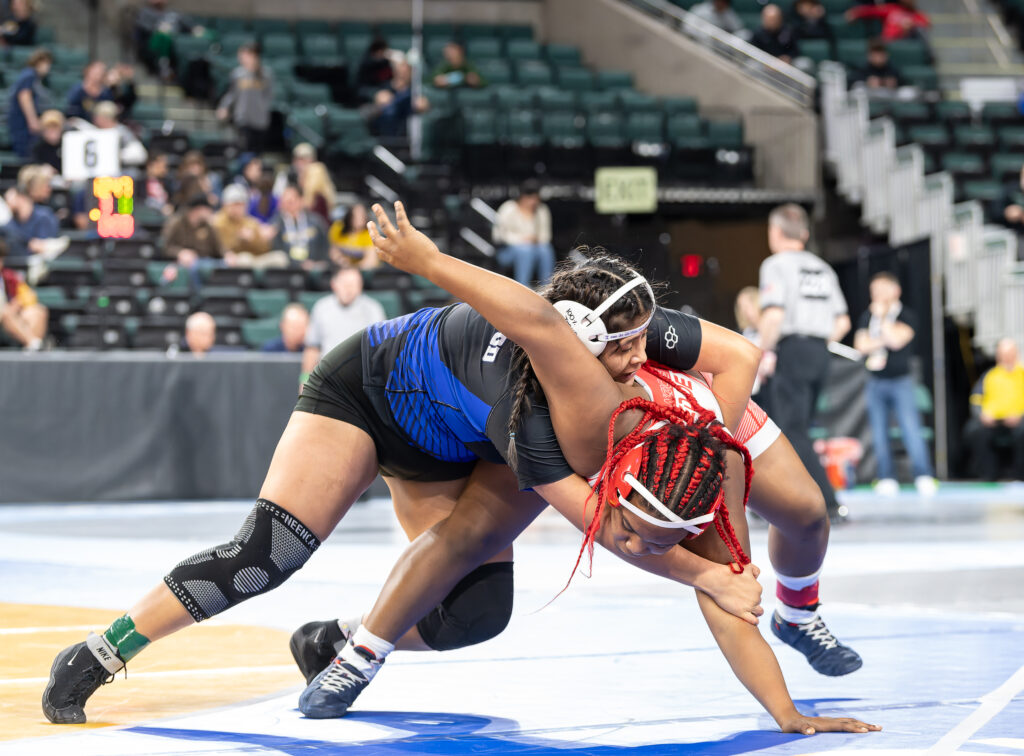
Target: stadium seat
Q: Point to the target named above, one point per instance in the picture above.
(310, 26)
(672, 105)
(843, 29)
(606, 131)
(354, 47)
(293, 279)
(852, 52)
(62, 272)
(523, 49)
(816, 49)
(262, 27)
(1001, 113)
(482, 48)
(510, 97)
(225, 300)
(94, 332)
(982, 190)
(309, 125)
(631, 101)
(907, 113)
(468, 32)
(1011, 137)
(974, 136)
(256, 333)
(562, 55)
(614, 80)
(879, 108)
(279, 44)
(480, 126)
(1006, 166)
(519, 127)
(964, 164)
(599, 102)
(315, 46)
(925, 78)
(230, 42)
(306, 93)
(575, 79)
(645, 127)
(496, 72)
(908, 52)
(474, 98)
(929, 135)
(244, 278)
(515, 31)
(725, 133)
(686, 131)
(552, 100)
(391, 301)
(953, 111)
(533, 73)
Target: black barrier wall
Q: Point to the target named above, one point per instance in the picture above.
(117, 426)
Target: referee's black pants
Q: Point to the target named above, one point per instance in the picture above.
(800, 372)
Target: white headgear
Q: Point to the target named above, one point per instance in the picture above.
(588, 325)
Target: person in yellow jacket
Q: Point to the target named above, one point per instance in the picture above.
(999, 401)
(22, 318)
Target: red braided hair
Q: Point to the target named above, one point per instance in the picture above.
(669, 447)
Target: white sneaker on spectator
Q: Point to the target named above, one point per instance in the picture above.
(887, 487)
(926, 485)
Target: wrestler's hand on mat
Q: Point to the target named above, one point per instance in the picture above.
(739, 595)
(811, 725)
(404, 247)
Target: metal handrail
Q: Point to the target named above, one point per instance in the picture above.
(782, 77)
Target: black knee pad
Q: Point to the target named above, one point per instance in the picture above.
(477, 609)
(268, 548)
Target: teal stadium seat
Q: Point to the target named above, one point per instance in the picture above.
(614, 80)
(523, 49)
(725, 133)
(256, 333)
(575, 79)
(562, 55)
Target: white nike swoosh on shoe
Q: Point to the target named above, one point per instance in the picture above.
(74, 657)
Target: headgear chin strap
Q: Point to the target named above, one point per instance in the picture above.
(588, 325)
(624, 482)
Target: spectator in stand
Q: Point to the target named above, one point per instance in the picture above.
(200, 333)
(36, 179)
(394, 104)
(193, 165)
(190, 240)
(105, 116)
(1009, 205)
(810, 22)
(720, 13)
(340, 314)
(250, 175)
(263, 207)
(28, 97)
(774, 36)
(301, 234)
(89, 92)
(885, 336)
(375, 69)
(900, 20)
(318, 193)
(456, 71)
(21, 316)
(30, 225)
(351, 244)
(47, 149)
(121, 83)
(244, 240)
(879, 73)
(19, 30)
(303, 155)
(155, 184)
(247, 103)
(294, 322)
(523, 230)
(998, 400)
(155, 27)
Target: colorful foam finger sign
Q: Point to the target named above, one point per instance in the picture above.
(113, 218)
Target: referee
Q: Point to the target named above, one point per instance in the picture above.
(802, 309)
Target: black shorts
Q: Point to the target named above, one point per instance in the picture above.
(335, 389)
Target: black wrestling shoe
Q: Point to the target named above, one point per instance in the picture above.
(75, 675)
(315, 644)
(333, 691)
(814, 640)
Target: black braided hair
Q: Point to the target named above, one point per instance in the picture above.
(589, 282)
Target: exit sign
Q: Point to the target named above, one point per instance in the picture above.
(626, 190)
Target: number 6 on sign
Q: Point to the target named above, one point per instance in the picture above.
(114, 218)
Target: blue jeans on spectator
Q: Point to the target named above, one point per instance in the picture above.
(523, 258)
(885, 395)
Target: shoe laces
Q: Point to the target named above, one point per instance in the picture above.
(92, 678)
(821, 634)
(341, 677)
